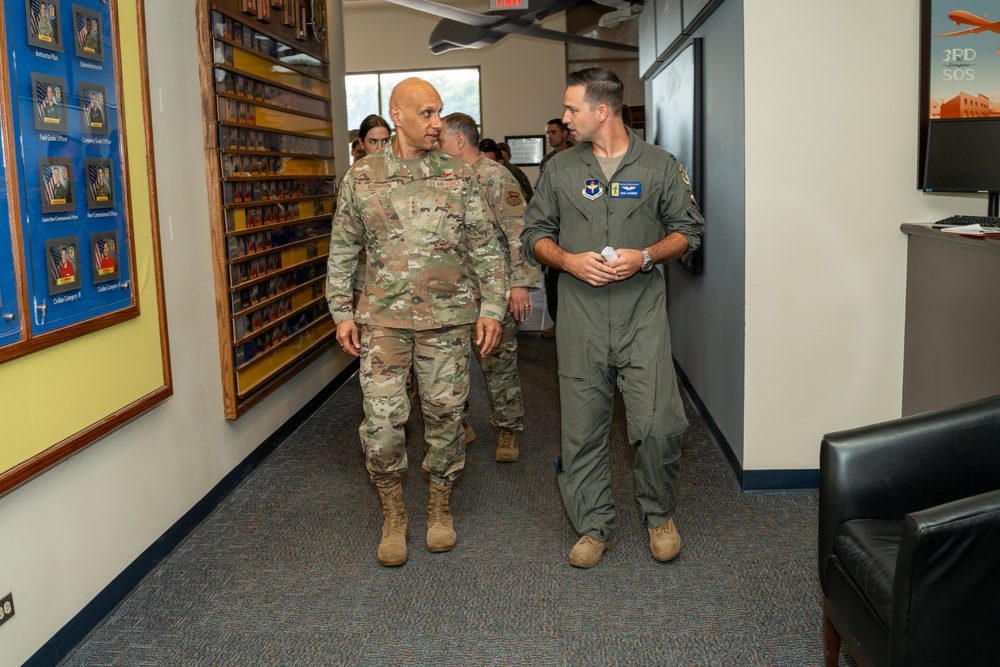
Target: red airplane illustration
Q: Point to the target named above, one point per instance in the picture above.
(980, 22)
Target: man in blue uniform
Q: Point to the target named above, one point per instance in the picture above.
(613, 190)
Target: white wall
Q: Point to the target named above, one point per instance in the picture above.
(522, 79)
(831, 154)
(69, 532)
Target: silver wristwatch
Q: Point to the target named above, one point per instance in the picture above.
(647, 262)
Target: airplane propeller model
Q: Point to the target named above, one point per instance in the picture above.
(464, 29)
(965, 18)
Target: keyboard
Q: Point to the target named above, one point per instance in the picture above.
(984, 221)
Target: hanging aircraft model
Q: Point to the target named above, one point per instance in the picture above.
(464, 29)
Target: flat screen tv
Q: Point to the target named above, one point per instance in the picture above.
(963, 155)
(526, 151)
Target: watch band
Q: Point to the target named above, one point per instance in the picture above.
(647, 262)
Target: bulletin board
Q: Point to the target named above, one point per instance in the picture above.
(78, 357)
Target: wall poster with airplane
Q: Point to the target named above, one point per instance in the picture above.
(962, 51)
(959, 63)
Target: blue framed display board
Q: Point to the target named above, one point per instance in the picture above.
(10, 315)
(70, 159)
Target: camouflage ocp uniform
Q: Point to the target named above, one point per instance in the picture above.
(423, 224)
(505, 201)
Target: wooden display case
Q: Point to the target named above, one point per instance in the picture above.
(269, 154)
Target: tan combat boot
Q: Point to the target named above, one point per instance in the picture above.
(395, 528)
(507, 446)
(470, 435)
(588, 551)
(440, 529)
(665, 541)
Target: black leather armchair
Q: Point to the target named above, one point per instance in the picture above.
(909, 539)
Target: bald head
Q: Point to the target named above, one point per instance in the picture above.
(415, 109)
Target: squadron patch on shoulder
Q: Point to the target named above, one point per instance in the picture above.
(684, 176)
(592, 188)
(513, 197)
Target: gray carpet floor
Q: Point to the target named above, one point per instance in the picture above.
(284, 572)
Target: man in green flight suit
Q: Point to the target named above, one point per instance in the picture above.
(613, 190)
(420, 216)
(460, 137)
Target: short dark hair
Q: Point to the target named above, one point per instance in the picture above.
(462, 123)
(370, 123)
(504, 147)
(558, 121)
(602, 87)
(489, 146)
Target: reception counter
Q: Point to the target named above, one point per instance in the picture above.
(951, 347)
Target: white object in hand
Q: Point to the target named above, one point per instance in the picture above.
(609, 253)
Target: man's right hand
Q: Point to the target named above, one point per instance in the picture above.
(347, 336)
(591, 268)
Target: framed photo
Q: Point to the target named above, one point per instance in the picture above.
(249, 6)
(87, 25)
(56, 184)
(100, 183)
(50, 103)
(278, 4)
(288, 13)
(63, 260)
(106, 261)
(959, 65)
(43, 24)
(94, 108)
(677, 125)
(264, 11)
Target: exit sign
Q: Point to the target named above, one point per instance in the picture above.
(508, 4)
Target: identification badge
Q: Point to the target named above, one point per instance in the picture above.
(592, 188)
(626, 189)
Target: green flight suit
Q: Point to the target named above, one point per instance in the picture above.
(616, 334)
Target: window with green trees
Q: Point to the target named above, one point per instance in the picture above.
(369, 93)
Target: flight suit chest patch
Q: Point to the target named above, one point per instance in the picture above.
(592, 189)
(626, 189)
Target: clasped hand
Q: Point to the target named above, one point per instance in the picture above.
(593, 269)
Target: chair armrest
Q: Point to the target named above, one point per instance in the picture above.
(887, 470)
(947, 585)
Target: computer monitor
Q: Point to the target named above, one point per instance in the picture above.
(962, 156)
(526, 151)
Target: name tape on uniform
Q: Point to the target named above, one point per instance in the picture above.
(627, 189)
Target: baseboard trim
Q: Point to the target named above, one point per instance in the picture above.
(749, 480)
(781, 480)
(92, 615)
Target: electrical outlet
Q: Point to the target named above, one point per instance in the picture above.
(6, 608)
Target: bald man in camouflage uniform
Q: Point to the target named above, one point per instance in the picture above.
(460, 137)
(420, 216)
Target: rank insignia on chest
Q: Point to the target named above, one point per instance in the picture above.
(626, 189)
(592, 188)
